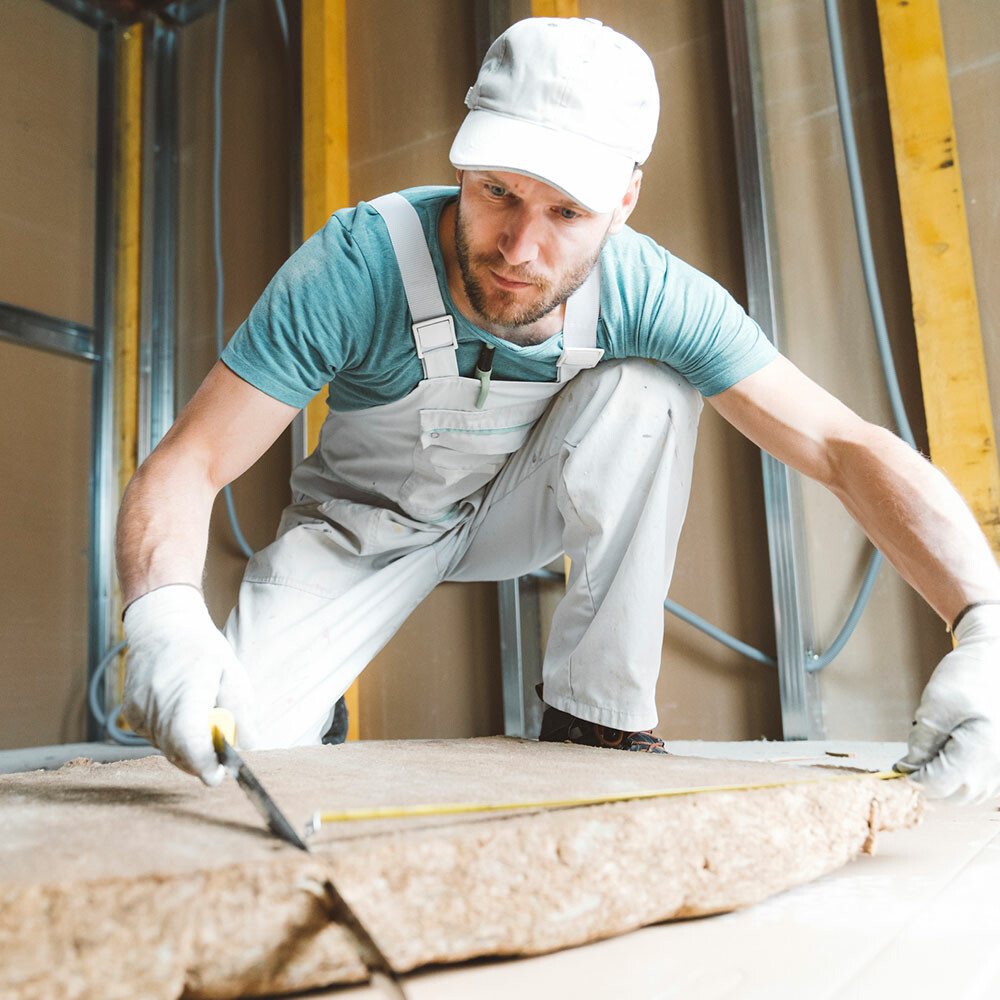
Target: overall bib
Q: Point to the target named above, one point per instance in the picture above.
(444, 485)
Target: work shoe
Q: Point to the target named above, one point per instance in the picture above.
(561, 727)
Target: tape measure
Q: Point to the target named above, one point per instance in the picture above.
(455, 808)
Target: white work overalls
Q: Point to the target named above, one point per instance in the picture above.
(400, 497)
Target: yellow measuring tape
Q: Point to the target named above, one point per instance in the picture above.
(453, 808)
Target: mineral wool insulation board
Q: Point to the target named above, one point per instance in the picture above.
(918, 919)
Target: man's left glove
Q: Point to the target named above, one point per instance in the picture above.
(954, 750)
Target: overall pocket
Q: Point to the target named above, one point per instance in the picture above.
(460, 451)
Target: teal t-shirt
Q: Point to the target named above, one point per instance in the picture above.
(336, 313)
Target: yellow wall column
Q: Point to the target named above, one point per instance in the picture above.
(945, 310)
(128, 212)
(555, 8)
(324, 163)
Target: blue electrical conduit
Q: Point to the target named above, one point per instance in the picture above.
(110, 721)
(861, 222)
(817, 662)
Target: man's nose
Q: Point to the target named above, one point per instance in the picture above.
(519, 240)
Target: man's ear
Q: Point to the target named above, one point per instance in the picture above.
(624, 210)
(458, 176)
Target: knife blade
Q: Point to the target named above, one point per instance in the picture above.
(223, 736)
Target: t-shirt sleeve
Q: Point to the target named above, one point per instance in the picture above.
(678, 315)
(314, 319)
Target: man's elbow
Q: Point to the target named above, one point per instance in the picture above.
(172, 473)
(865, 453)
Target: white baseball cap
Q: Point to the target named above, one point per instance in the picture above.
(566, 100)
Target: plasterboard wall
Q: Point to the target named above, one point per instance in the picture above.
(48, 79)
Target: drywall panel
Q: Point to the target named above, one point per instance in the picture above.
(48, 121)
(870, 691)
(409, 67)
(45, 463)
(440, 675)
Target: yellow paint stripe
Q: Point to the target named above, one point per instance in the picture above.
(128, 192)
(555, 8)
(127, 250)
(945, 310)
(325, 165)
(455, 808)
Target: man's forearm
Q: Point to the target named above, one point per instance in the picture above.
(163, 524)
(917, 519)
(162, 527)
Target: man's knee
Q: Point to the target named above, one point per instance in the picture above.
(634, 396)
(652, 383)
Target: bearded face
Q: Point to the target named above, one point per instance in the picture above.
(516, 295)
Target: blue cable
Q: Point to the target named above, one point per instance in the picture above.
(109, 721)
(863, 231)
(282, 21)
(718, 634)
(861, 222)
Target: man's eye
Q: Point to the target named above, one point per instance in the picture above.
(496, 190)
(568, 213)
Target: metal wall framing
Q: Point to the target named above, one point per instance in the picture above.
(102, 445)
(157, 345)
(34, 329)
(801, 707)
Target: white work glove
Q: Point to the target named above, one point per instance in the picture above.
(179, 667)
(954, 750)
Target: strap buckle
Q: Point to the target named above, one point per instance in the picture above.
(437, 346)
(580, 357)
(435, 334)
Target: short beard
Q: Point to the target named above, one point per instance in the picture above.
(505, 314)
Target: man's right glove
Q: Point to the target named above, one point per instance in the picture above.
(954, 749)
(180, 667)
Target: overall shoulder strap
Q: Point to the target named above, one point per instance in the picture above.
(433, 328)
(583, 308)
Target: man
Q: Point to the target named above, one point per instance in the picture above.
(513, 373)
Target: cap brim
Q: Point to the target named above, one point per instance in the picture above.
(589, 173)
